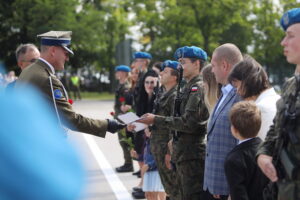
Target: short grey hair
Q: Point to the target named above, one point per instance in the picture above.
(23, 48)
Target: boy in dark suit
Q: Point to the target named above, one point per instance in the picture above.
(244, 177)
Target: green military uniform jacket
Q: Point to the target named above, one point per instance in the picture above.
(271, 139)
(38, 74)
(120, 95)
(163, 107)
(287, 189)
(191, 125)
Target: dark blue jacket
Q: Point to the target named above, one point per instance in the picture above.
(148, 157)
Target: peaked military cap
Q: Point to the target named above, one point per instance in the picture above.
(290, 17)
(141, 54)
(171, 64)
(190, 52)
(122, 68)
(57, 38)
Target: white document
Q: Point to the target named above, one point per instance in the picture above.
(130, 118)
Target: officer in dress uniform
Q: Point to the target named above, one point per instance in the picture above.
(122, 73)
(190, 125)
(282, 144)
(41, 74)
(164, 106)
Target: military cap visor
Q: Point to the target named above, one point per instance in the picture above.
(290, 17)
(57, 38)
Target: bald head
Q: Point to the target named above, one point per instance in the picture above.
(229, 52)
(223, 59)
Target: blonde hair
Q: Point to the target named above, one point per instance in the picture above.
(212, 92)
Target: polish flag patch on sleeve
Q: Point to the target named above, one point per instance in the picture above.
(194, 89)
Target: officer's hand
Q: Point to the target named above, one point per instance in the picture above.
(267, 167)
(147, 119)
(113, 125)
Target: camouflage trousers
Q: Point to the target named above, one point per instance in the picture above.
(168, 177)
(125, 148)
(191, 173)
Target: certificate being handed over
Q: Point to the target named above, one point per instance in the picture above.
(131, 118)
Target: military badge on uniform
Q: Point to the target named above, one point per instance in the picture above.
(58, 94)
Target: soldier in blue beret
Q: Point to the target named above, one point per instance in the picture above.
(142, 61)
(41, 74)
(122, 68)
(189, 124)
(279, 155)
(143, 55)
(172, 64)
(121, 94)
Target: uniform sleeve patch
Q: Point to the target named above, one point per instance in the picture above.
(57, 94)
(194, 89)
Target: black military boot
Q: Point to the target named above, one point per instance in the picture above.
(137, 173)
(138, 194)
(125, 168)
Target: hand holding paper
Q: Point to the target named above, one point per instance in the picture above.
(131, 118)
(147, 119)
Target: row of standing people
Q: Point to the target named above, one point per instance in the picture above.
(198, 164)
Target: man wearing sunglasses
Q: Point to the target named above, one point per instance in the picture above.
(54, 53)
(26, 54)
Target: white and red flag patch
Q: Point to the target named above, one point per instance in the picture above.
(194, 89)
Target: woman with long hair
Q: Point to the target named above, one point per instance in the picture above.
(252, 84)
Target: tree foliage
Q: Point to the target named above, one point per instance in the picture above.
(99, 25)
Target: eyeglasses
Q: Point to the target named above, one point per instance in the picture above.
(149, 82)
(31, 61)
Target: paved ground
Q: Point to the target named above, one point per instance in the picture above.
(101, 156)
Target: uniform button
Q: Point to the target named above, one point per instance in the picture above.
(206, 154)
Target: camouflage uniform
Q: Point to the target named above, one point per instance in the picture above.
(189, 150)
(271, 141)
(164, 106)
(121, 93)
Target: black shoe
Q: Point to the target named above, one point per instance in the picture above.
(137, 173)
(125, 168)
(138, 195)
(135, 189)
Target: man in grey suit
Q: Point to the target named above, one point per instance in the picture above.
(219, 138)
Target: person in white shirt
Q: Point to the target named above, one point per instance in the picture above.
(252, 83)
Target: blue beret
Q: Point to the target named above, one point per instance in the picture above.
(170, 63)
(190, 52)
(141, 54)
(122, 68)
(290, 17)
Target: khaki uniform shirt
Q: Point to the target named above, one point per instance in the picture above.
(38, 74)
(191, 125)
